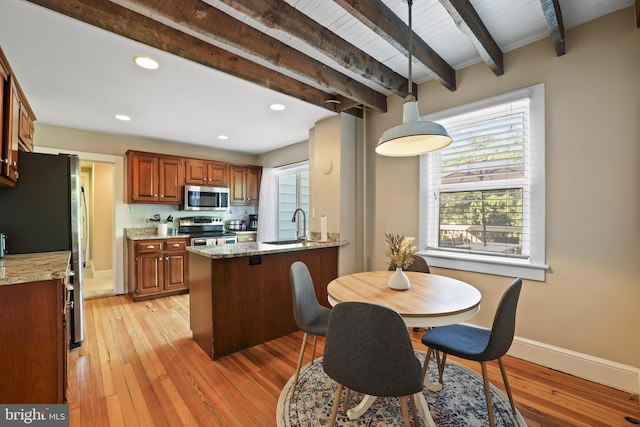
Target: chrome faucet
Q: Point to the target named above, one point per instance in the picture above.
(304, 225)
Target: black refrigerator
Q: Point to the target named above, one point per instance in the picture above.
(43, 213)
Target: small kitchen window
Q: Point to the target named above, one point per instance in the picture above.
(483, 197)
(293, 193)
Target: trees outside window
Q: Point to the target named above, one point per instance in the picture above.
(482, 197)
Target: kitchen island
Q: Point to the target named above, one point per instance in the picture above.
(240, 294)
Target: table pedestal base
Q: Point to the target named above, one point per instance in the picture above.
(421, 405)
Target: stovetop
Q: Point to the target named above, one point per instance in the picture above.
(203, 226)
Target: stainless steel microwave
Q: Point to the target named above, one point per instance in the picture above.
(199, 198)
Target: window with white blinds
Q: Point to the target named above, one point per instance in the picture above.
(482, 199)
(293, 193)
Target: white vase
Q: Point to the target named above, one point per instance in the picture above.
(399, 281)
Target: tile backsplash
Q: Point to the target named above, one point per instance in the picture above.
(139, 215)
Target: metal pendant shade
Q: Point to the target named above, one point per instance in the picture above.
(414, 136)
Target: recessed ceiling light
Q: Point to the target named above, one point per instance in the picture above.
(146, 62)
(277, 107)
(122, 117)
(223, 137)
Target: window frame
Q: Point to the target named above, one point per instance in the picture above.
(285, 171)
(533, 267)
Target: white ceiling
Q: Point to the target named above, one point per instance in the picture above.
(76, 75)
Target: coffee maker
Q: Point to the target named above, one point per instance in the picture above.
(253, 222)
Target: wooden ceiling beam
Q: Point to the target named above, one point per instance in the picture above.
(551, 10)
(468, 21)
(211, 24)
(278, 14)
(380, 19)
(124, 22)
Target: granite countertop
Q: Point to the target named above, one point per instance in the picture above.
(258, 248)
(150, 233)
(24, 268)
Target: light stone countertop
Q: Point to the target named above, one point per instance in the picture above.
(259, 248)
(150, 233)
(24, 268)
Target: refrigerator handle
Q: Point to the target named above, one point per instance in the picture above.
(86, 228)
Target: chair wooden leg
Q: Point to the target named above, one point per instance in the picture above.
(487, 393)
(441, 362)
(336, 403)
(506, 386)
(405, 411)
(425, 365)
(313, 352)
(302, 347)
(414, 413)
(345, 407)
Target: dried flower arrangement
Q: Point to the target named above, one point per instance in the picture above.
(400, 250)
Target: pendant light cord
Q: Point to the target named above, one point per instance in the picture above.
(410, 3)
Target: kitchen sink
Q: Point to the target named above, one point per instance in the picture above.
(283, 242)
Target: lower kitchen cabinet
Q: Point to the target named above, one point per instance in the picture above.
(35, 343)
(157, 268)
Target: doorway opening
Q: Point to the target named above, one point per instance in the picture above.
(97, 226)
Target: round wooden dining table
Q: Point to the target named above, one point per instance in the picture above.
(430, 301)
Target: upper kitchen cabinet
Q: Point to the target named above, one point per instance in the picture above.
(16, 124)
(202, 172)
(154, 178)
(244, 184)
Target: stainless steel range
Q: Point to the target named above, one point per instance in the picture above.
(205, 230)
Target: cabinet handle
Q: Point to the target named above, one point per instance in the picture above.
(162, 196)
(150, 247)
(166, 259)
(160, 259)
(175, 245)
(5, 161)
(155, 195)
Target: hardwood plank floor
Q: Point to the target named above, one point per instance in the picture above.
(138, 366)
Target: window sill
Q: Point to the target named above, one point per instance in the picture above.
(487, 265)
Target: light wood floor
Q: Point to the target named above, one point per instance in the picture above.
(139, 367)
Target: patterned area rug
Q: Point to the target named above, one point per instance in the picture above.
(461, 402)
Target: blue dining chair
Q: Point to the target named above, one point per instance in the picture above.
(481, 345)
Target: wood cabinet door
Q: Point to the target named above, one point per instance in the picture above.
(217, 173)
(11, 132)
(150, 273)
(176, 274)
(5, 148)
(253, 185)
(144, 178)
(237, 184)
(196, 172)
(26, 129)
(170, 180)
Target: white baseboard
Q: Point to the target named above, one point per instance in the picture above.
(601, 371)
(103, 274)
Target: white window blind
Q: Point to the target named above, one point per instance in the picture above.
(293, 193)
(478, 193)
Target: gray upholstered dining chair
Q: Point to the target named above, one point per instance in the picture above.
(368, 350)
(310, 316)
(419, 265)
(479, 344)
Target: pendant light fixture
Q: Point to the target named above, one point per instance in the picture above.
(414, 136)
